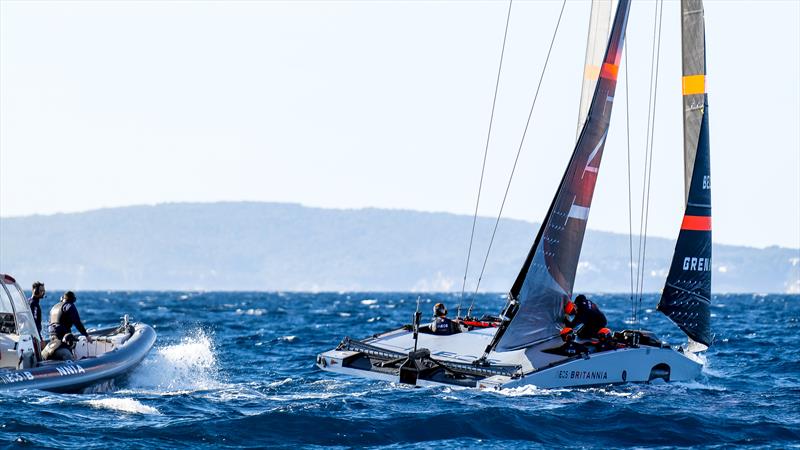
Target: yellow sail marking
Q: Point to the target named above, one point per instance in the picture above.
(694, 84)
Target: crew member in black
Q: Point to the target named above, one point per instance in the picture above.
(569, 347)
(37, 293)
(605, 341)
(441, 324)
(63, 316)
(586, 314)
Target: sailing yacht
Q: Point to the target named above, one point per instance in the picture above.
(511, 349)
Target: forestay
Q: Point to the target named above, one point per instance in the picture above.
(547, 277)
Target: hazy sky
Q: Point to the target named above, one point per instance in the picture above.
(384, 104)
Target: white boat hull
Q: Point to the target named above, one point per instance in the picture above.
(625, 365)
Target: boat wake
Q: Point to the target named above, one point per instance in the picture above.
(188, 366)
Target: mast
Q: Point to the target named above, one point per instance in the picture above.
(599, 26)
(686, 297)
(547, 277)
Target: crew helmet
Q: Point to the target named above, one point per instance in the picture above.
(581, 300)
(604, 334)
(68, 297)
(566, 334)
(439, 310)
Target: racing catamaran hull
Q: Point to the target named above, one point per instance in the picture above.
(381, 357)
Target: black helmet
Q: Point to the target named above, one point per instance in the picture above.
(580, 300)
(68, 297)
(439, 310)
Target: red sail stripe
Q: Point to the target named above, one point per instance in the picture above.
(696, 223)
(609, 71)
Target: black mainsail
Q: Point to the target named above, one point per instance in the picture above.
(686, 297)
(547, 277)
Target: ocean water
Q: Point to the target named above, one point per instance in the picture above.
(236, 370)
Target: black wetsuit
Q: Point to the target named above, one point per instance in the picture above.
(63, 316)
(444, 326)
(591, 317)
(36, 310)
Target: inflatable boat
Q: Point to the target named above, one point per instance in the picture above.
(112, 353)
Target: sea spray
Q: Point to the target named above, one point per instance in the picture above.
(190, 365)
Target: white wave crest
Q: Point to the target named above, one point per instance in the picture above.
(694, 384)
(190, 365)
(250, 312)
(528, 390)
(123, 404)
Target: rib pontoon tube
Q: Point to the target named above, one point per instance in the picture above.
(118, 351)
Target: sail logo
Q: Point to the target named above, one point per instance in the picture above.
(72, 369)
(697, 264)
(706, 182)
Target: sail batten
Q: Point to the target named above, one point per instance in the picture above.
(686, 298)
(546, 279)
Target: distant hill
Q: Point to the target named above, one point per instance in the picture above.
(274, 246)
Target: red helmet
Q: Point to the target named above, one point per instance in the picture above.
(565, 333)
(604, 334)
(569, 308)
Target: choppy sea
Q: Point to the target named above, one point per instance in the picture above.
(234, 370)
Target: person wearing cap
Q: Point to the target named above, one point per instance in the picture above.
(569, 347)
(587, 314)
(441, 325)
(37, 294)
(63, 316)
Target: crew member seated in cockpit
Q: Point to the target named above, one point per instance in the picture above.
(587, 314)
(441, 325)
(63, 316)
(605, 341)
(569, 347)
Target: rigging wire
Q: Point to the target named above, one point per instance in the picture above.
(516, 159)
(630, 203)
(652, 136)
(651, 113)
(485, 153)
